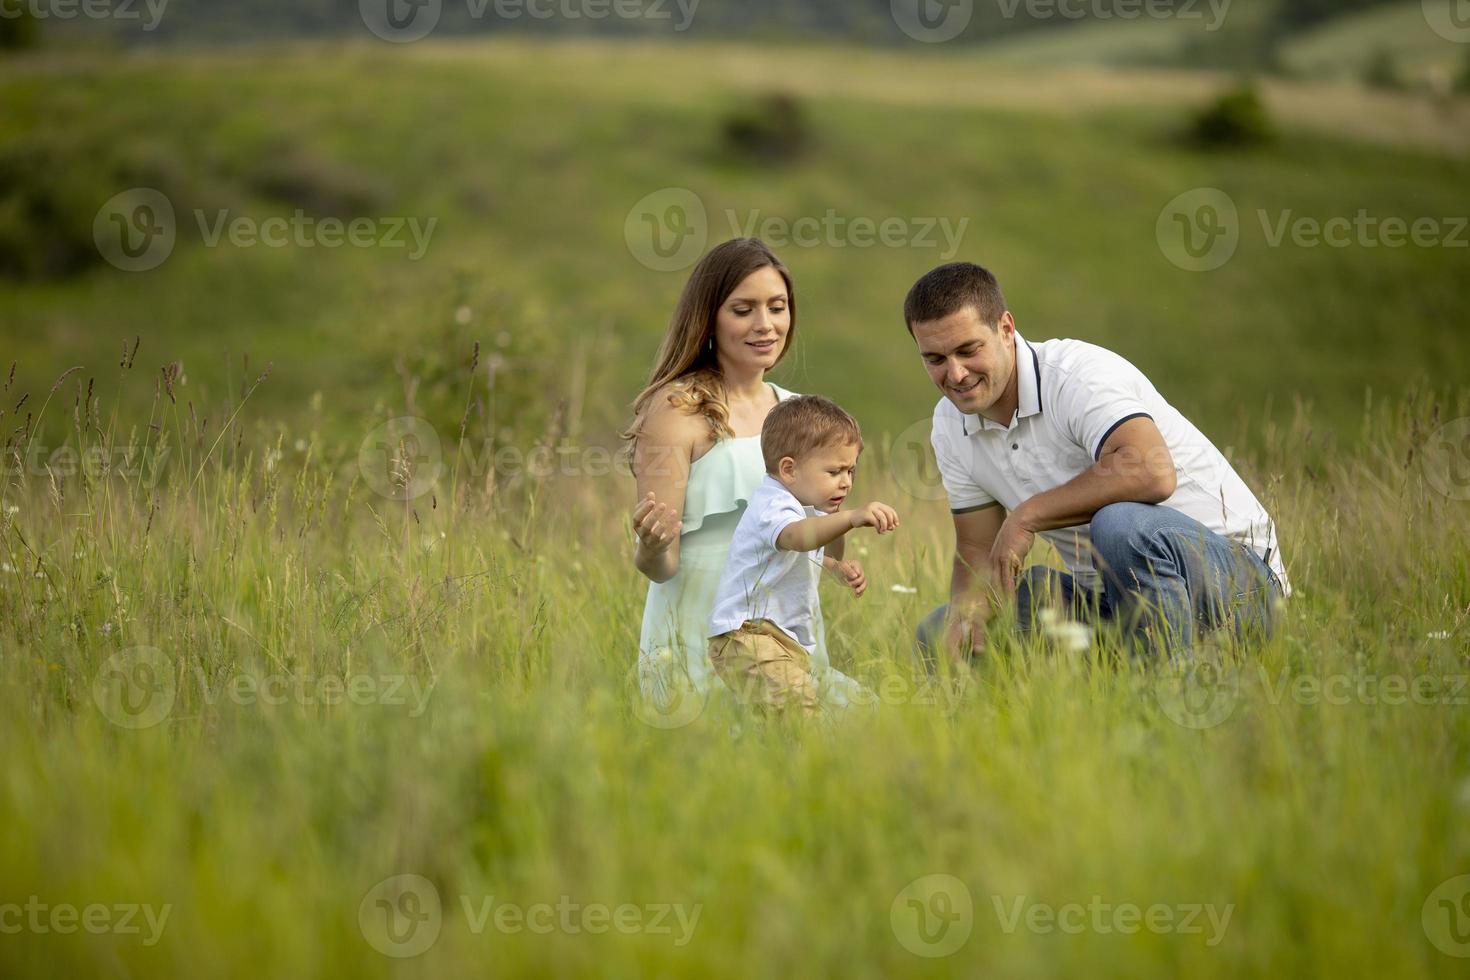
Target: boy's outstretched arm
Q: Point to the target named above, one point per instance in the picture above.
(817, 532)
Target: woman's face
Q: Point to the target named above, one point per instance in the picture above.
(752, 324)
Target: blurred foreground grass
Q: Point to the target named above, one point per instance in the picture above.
(337, 688)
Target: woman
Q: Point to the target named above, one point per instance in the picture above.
(695, 451)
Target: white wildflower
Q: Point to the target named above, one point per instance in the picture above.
(905, 590)
(463, 315)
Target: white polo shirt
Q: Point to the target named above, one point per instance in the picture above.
(1072, 396)
(761, 581)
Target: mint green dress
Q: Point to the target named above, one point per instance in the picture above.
(674, 645)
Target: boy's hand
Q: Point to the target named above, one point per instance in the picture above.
(852, 573)
(879, 517)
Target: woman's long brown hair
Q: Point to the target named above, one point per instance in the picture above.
(686, 364)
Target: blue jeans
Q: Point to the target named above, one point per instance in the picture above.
(1166, 578)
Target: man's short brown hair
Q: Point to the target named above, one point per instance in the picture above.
(797, 426)
(951, 288)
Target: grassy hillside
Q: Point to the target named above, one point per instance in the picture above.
(530, 159)
(1344, 47)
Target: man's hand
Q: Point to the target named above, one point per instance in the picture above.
(656, 525)
(879, 517)
(1008, 554)
(963, 636)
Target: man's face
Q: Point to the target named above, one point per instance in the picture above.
(969, 361)
(823, 478)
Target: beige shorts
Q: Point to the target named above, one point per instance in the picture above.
(766, 669)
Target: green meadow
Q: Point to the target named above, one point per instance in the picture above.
(256, 664)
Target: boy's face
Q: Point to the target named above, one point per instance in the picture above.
(823, 478)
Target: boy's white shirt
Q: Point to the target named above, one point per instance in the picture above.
(760, 580)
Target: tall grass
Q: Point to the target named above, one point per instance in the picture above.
(494, 746)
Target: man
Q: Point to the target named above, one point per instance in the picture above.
(1070, 441)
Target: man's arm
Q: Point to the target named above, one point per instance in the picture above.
(1135, 466)
(969, 588)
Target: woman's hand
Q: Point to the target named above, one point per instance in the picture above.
(656, 525)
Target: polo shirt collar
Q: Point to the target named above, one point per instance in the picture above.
(1028, 390)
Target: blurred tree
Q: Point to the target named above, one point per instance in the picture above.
(1237, 119)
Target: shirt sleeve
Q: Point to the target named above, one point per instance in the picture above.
(1095, 394)
(959, 478)
(781, 512)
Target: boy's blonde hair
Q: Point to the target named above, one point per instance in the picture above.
(797, 426)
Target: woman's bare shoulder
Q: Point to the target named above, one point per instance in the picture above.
(672, 420)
